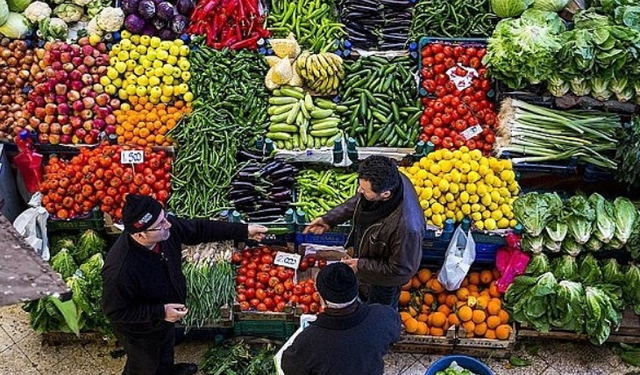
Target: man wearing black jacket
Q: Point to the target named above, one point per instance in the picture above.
(388, 228)
(349, 337)
(144, 290)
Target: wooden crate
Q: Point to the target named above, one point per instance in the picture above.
(286, 315)
(480, 347)
(628, 332)
(426, 344)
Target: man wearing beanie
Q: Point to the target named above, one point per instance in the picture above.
(144, 290)
(349, 337)
(388, 228)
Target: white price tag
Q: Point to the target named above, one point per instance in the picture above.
(471, 132)
(287, 259)
(132, 157)
(462, 82)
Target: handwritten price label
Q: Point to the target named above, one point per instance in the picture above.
(471, 132)
(132, 157)
(287, 259)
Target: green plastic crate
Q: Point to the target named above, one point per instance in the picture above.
(269, 329)
(94, 220)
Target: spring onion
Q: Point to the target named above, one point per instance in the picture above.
(540, 134)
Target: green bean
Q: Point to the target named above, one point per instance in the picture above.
(452, 19)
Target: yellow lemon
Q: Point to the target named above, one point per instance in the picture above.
(496, 215)
(495, 196)
(471, 188)
(474, 198)
(475, 216)
(443, 185)
(464, 197)
(475, 155)
(475, 207)
(503, 223)
(454, 188)
(482, 189)
(466, 209)
(413, 170)
(486, 200)
(490, 224)
(486, 214)
(480, 226)
(473, 177)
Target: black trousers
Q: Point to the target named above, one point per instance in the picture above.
(384, 295)
(148, 354)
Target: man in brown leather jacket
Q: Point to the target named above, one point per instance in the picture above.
(388, 228)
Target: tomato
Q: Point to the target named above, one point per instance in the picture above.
(251, 273)
(489, 138)
(279, 289)
(267, 259)
(459, 140)
(263, 277)
(145, 189)
(485, 85)
(305, 308)
(306, 299)
(441, 79)
(460, 125)
(316, 297)
(429, 85)
(435, 140)
(298, 290)
(481, 52)
(439, 69)
(264, 267)
(162, 195)
(242, 298)
(437, 47)
(438, 106)
(273, 272)
(475, 63)
(446, 119)
(250, 283)
(471, 51)
(262, 307)
(428, 130)
(260, 285)
(261, 294)
(236, 258)
(428, 61)
(244, 306)
(311, 260)
(447, 142)
(303, 265)
(314, 307)
(273, 281)
(269, 302)
(322, 263)
(487, 148)
(309, 289)
(280, 306)
(292, 298)
(283, 275)
(426, 51)
(439, 132)
(240, 279)
(449, 63)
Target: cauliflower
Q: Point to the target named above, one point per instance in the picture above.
(93, 28)
(37, 11)
(110, 19)
(68, 12)
(82, 3)
(58, 29)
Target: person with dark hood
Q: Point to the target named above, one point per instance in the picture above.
(144, 290)
(349, 337)
(388, 229)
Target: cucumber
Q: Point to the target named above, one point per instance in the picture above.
(324, 133)
(321, 113)
(291, 118)
(294, 94)
(279, 136)
(282, 100)
(286, 128)
(279, 109)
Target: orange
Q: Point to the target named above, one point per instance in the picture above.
(424, 275)
(486, 277)
(453, 320)
(442, 298)
(462, 294)
(423, 317)
(503, 331)
(407, 286)
(490, 334)
(413, 312)
(504, 316)
(424, 309)
(415, 283)
(480, 329)
(478, 316)
(428, 299)
(465, 313)
(437, 331)
(405, 298)
(473, 288)
(404, 316)
(474, 278)
(423, 329)
(469, 327)
(493, 290)
(438, 319)
(494, 306)
(444, 309)
(465, 281)
(482, 302)
(435, 286)
(493, 322)
(451, 300)
(411, 325)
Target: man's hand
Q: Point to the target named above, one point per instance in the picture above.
(257, 232)
(351, 262)
(174, 312)
(318, 226)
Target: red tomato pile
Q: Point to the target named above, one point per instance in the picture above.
(449, 111)
(96, 177)
(263, 286)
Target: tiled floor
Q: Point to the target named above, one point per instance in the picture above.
(21, 352)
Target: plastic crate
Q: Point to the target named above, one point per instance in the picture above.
(592, 174)
(93, 220)
(463, 42)
(269, 329)
(468, 363)
(568, 168)
(486, 252)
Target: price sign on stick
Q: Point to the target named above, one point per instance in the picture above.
(132, 157)
(287, 259)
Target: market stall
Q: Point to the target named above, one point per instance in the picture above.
(515, 121)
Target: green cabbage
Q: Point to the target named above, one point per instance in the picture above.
(568, 312)
(579, 216)
(604, 227)
(538, 265)
(625, 215)
(549, 5)
(565, 268)
(18, 5)
(64, 264)
(4, 12)
(589, 271)
(509, 8)
(16, 26)
(612, 274)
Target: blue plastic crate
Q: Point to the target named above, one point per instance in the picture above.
(328, 239)
(486, 252)
(468, 363)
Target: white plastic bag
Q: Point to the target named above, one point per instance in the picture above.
(32, 225)
(460, 255)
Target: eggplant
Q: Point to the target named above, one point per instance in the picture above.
(278, 197)
(245, 200)
(284, 181)
(245, 155)
(271, 167)
(283, 172)
(235, 194)
(243, 185)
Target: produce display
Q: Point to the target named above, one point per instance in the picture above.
(457, 111)
(579, 224)
(299, 122)
(83, 312)
(314, 23)
(210, 282)
(381, 98)
(320, 191)
(426, 308)
(453, 19)
(463, 183)
(238, 358)
(97, 178)
(262, 192)
(234, 24)
(228, 114)
(19, 70)
(541, 134)
(148, 124)
(263, 286)
(377, 24)
(167, 20)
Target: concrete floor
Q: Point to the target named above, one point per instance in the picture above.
(22, 352)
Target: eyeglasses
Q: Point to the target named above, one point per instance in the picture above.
(162, 226)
